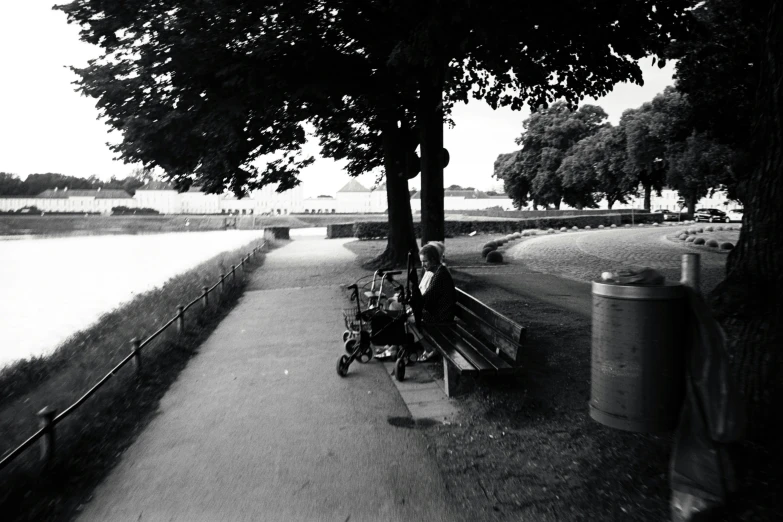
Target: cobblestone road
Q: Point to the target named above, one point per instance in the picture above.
(583, 255)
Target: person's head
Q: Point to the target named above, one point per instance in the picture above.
(430, 256)
(441, 248)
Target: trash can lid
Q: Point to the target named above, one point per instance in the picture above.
(666, 291)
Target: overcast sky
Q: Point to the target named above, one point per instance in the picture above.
(47, 127)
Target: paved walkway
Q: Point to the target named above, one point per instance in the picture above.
(260, 427)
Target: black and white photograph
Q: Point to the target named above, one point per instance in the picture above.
(391, 260)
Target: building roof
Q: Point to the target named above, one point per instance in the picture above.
(97, 194)
(157, 185)
(354, 186)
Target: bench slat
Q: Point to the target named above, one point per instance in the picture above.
(512, 330)
(498, 362)
(510, 349)
(473, 355)
(448, 351)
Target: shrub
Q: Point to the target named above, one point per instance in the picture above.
(335, 230)
(682, 237)
(125, 211)
(712, 243)
(726, 246)
(587, 227)
(487, 250)
(719, 228)
(574, 228)
(563, 229)
(690, 239)
(655, 224)
(710, 229)
(613, 226)
(277, 232)
(494, 257)
(627, 225)
(491, 244)
(640, 225)
(550, 231)
(699, 241)
(600, 226)
(701, 229)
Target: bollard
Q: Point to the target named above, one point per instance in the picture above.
(690, 271)
(46, 421)
(180, 319)
(205, 300)
(136, 351)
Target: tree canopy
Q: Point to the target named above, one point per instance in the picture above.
(207, 90)
(549, 135)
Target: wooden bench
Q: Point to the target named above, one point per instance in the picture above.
(480, 342)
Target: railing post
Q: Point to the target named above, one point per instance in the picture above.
(136, 351)
(690, 271)
(222, 283)
(205, 301)
(180, 319)
(233, 274)
(46, 421)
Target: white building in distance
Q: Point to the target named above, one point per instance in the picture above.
(71, 201)
(457, 200)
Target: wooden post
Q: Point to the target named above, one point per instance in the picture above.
(46, 421)
(180, 319)
(136, 351)
(450, 374)
(690, 271)
(205, 300)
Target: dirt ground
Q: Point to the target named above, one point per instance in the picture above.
(525, 447)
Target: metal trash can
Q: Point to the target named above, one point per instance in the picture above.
(638, 362)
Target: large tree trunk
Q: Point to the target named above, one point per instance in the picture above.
(402, 238)
(647, 197)
(430, 121)
(749, 302)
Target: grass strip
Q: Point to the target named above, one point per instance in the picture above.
(90, 441)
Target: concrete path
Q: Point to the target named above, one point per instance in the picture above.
(260, 427)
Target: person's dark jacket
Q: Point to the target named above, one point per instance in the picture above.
(440, 297)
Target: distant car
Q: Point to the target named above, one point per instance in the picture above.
(735, 215)
(712, 215)
(668, 215)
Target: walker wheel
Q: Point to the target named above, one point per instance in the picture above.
(342, 366)
(346, 335)
(399, 370)
(350, 346)
(365, 355)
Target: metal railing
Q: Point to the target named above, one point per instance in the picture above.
(48, 416)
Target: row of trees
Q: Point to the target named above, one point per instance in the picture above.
(575, 157)
(34, 184)
(219, 93)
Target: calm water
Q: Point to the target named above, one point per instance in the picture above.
(51, 288)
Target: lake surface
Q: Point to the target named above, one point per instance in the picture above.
(51, 288)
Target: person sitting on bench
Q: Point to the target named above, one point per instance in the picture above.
(439, 298)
